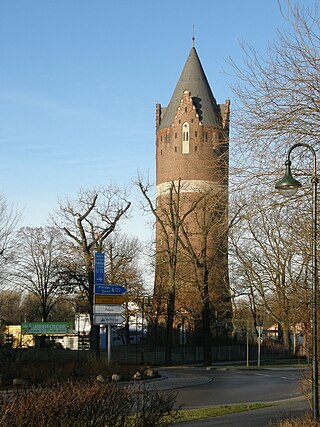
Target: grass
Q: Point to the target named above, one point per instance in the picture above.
(185, 415)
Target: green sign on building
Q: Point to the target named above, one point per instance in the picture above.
(46, 328)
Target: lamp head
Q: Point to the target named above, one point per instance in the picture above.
(288, 186)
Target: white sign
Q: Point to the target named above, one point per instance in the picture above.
(108, 309)
(260, 330)
(107, 319)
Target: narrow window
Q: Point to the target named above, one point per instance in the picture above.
(175, 135)
(185, 138)
(195, 148)
(196, 134)
(185, 109)
(175, 149)
(161, 152)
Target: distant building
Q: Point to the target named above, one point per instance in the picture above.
(14, 337)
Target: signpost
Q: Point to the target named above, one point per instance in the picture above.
(108, 319)
(108, 309)
(108, 299)
(99, 267)
(109, 290)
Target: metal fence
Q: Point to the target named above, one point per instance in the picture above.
(149, 355)
(194, 354)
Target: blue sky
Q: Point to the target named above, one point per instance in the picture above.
(79, 81)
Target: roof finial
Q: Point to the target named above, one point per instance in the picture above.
(192, 35)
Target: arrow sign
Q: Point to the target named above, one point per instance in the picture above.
(108, 309)
(99, 267)
(107, 319)
(109, 289)
(109, 299)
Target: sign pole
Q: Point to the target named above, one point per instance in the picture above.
(109, 344)
(260, 329)
(107, 301)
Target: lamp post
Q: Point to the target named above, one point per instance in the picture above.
(288, 185)
(259, 329)
(145, 308)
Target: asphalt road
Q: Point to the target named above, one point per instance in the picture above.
(222, 387)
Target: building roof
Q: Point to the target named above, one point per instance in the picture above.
(194, 80)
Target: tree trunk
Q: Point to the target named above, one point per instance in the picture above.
(207, 339)
(169, 328)
(95, 329)
(286, 338)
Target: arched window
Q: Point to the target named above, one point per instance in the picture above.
(185, 138)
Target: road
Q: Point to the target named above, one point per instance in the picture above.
(222, 387)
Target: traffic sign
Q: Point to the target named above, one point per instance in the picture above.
(108, 309)
(260, 330)
(99, 267)
(107, 319)
(109, 289)
(108, 299)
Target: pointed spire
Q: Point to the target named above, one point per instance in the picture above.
(194, 80)
(192, 35)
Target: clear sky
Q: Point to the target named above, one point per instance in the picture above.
(79, 80)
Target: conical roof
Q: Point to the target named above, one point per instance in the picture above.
(194, 80)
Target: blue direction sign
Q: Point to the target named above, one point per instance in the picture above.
(109, 289)
(99, 267)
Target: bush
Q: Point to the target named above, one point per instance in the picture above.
(298, 422)
(52, 371)
(86, 404)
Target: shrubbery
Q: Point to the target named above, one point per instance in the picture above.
(55, 371)
(66, 393)
(85, 404)
(298, 422)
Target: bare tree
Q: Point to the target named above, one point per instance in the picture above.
(87, 222)
(192, 244)
(122, 256)
(274, 265)
(170, 214)
(278, 98)
(278, 104)
(10, 306)
(203, 240)
(36, 265)
(9, 220)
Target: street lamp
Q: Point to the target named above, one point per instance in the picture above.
(145, 308)
(288, 186)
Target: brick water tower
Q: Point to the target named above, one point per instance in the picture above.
(192, 163)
